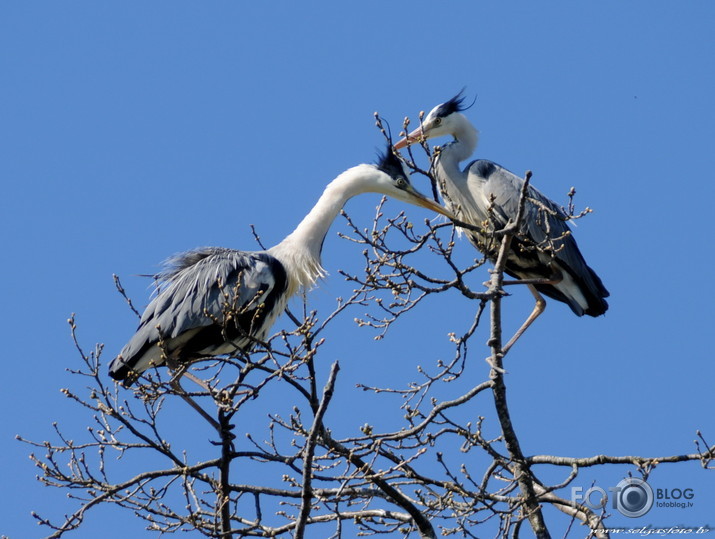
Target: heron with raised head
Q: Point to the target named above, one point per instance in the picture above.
(215, 301)
(544, 254)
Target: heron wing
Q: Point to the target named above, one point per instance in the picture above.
(544, 225)
(543, 218)
(199, 291)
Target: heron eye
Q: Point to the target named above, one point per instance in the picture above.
(401, 182)
(437, 121)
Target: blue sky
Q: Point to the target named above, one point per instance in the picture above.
(134, 131)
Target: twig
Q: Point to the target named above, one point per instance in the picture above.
(307, 492)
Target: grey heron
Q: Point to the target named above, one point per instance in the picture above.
(544, 253)
(216, 301)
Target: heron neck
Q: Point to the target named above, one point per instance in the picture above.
(300, 251)
(461, 148)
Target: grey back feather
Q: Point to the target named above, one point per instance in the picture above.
(198, 289)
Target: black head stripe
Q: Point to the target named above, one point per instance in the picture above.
(388, 163)
(453, 105)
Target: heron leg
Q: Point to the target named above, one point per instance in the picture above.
(198, 381)
(532, 282)
(176, 385)
(538, 309)
(180, 369)
(177, 372)
(223, 398)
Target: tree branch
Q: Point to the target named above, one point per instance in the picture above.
(307, 492)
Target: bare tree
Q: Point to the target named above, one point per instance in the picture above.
(294, 471)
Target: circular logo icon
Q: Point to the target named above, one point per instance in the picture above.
(634, 497)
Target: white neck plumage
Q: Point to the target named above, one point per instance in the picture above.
(300, 251)
(461, 148)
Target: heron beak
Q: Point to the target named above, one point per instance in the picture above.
(421, 200)
(415, 136)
